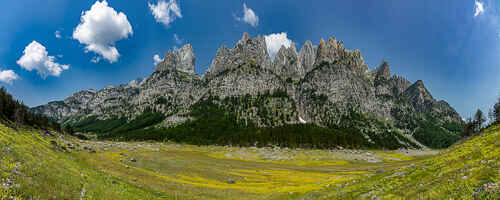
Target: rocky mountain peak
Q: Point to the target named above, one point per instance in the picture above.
(419, 96)
(419, 84)
(334, 50)
(307, 56)
(330, 51)
(383, 71)
(287, 63)
(182, 59)
(220, 63)
(253, 49)
(245, 37)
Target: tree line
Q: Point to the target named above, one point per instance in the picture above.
(15, 114)
(473, 126)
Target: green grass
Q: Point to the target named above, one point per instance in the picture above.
(39, 169)
(459, 172)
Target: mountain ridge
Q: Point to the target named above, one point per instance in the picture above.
(319, 84)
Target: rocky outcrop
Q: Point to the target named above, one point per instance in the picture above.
(247, 50)
(419, 97)
(182, 60)
(221, 62)
(307, 56)
(251, 49)
(334, 50)
(287, 64)
(383, 71)
(316, 85)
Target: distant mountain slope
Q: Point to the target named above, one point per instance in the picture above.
(325, 85)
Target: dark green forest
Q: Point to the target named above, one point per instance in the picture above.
(211, 124)
(15, 114)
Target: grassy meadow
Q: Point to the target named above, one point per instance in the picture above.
(45, 165)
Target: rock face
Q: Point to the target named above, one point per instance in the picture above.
(307, 57)
(287, 63)
(319, 84)
(247, 49)
(182, 60)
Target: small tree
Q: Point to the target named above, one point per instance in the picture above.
(468, 128)
(19, 116)
(491, 116)
(478, 120)
(496, 111)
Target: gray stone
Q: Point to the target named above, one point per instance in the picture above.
(287, 64)
(307, 57)
(182, 60)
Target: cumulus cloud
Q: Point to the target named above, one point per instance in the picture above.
(36, 57)
(100, 28)
(165, 12)
(58, 34)
(157, 60)
(7, 76)
(275, 41)
(479, 8)
(249, 16)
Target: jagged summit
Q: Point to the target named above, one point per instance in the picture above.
(334, 50)
(419, 96)
(221, 61)
(246, 49)
(307, 56)
(182, 59)
(249, 48)
(383, 71)
(287, 63)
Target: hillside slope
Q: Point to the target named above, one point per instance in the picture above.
(37, 165)
(468, 170)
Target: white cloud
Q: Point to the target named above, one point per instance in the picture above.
(7, 76)
(157, 59)
(58, 34)
(165, 12)
(177, 39)
(100, 28)
(249, 16)
(36, 57)
(275, 41)
(479, 8)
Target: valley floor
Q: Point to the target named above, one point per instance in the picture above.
(49, 166)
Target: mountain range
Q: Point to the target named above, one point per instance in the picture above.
(325, 85)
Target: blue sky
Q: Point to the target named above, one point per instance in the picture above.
(453, 46)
